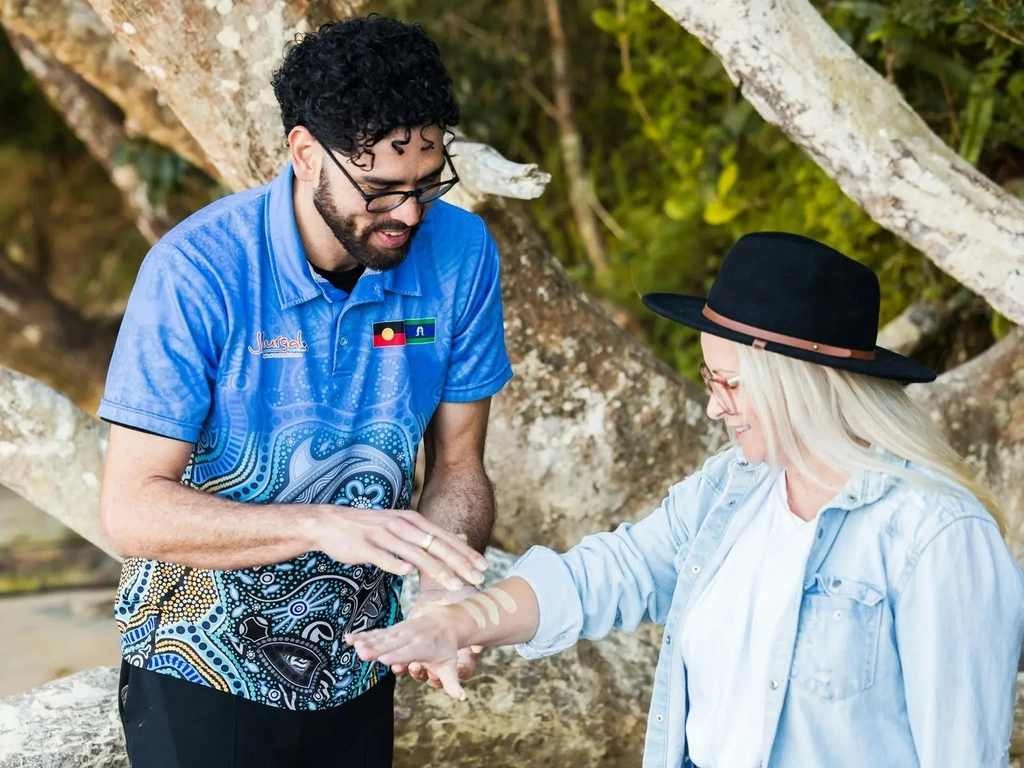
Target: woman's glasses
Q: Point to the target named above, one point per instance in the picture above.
(720, 389)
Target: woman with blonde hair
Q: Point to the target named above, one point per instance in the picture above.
(834, 587)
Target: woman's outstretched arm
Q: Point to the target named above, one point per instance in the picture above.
(505, 614)
(609, 580)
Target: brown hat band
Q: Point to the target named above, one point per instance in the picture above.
(761, 336)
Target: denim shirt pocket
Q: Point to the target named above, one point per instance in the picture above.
(837, 637)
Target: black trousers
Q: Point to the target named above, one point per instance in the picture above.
(172, 723)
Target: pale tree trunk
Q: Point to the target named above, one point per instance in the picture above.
(51, 453)
(920, 323)
(980, 407)
(802, 77)
(213, 63)
(593, 428)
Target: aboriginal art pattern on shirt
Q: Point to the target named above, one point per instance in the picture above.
(273, 634)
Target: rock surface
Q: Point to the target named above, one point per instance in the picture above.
(584, 707)
(68, 723)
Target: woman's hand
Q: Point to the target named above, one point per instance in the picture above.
(429, 600)
(430, 639)
(504, 614)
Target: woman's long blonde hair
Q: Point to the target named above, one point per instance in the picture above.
(813, 410)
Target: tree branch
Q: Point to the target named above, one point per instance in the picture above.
(802, 77)
(591, 413)
(97, 124)
(921, 322)
(81, 346)
(484, 172)
(572, 145)
(51, 453)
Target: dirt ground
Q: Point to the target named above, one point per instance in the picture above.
(49, 635)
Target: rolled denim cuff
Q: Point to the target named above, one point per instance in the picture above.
(561, 612)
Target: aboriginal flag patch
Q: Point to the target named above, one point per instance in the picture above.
(390, 334)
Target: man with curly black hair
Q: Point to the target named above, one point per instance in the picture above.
(373, 96)
(284, 353)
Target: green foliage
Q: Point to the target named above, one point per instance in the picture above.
(958, 62)
(162, 170)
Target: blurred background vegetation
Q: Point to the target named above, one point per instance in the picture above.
(679, 164)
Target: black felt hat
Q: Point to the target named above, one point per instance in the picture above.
(794, 296)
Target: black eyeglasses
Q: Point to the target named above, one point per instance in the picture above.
(382, 202)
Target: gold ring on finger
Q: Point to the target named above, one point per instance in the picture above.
(427, 542)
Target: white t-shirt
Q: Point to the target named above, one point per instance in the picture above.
(729, 632)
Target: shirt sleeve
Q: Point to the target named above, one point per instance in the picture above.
(959, 627)
(478, 365)
(165, 360)
(610, 580)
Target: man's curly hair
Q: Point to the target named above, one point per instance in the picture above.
(353, 82)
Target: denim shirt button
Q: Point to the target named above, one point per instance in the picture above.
(659, 718)
(773, 684)
(696, 569)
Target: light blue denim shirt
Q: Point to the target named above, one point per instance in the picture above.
(902, 652)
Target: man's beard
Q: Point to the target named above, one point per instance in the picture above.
(357, 244)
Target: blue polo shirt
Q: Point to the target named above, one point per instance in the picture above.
(292, 392)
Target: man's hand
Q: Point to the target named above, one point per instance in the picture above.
(396, 541)
(430, 599)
